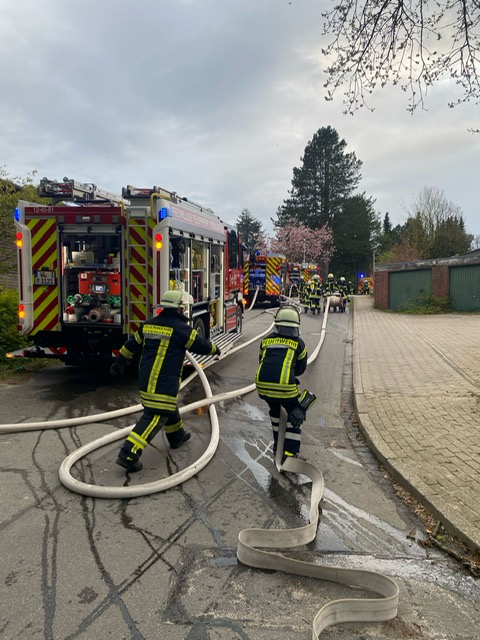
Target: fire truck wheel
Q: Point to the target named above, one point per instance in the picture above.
(199, 327)
(238, 325)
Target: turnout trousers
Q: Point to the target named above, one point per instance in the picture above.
(292, 435)
(147, 428)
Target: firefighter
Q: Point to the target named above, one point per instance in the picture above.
(162, 341)
(316, 293)
(283, 357)
(330, 284)
(342, 287)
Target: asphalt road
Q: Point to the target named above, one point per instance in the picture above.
(164, 566)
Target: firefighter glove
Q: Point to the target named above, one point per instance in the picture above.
(296, 417)
(118, 366)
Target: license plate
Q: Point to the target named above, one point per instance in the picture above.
(45, 278)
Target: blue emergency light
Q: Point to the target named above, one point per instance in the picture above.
(17, 214)
(164, 212)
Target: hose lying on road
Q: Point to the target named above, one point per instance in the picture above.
(251, 542)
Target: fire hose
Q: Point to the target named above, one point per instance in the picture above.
(251, 542)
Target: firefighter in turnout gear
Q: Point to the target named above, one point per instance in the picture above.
(315, 294)
(162, 341)
(283, 357)
(330, 284)
(343, 288)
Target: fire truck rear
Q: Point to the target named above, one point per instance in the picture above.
(92, 267)
(265, 277)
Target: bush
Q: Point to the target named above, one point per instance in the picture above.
(427, 305)
(10, 339)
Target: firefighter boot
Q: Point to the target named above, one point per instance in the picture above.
(177, 438)
(128, 461)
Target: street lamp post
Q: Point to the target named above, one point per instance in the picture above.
(304, 242)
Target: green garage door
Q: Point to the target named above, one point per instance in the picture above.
(405, 287)
(465, 287)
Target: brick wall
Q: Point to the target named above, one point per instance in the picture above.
(380, 289)
(440, 274)
(440, 281)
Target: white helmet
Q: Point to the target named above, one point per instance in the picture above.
(172, 299)
(287, 321)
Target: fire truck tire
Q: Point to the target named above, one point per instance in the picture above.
(199, 327)
(239, 321)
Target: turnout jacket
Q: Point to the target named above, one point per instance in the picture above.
(282, 359)
(163, 341)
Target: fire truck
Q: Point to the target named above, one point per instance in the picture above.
(93, 266)
(267, 273)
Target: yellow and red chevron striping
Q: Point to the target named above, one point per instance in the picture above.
(273, 279)
(245, 277)
(44, 255)
(44, 244)
(140, 292)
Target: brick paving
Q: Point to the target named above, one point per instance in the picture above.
(417, 396)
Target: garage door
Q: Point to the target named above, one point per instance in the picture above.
(407, 287)
(465, 287)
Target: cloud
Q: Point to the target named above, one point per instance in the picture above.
(215, 100)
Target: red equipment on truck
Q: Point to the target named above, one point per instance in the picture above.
(93, 266)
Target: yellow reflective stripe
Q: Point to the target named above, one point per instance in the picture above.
(277, 391)
(151, 426)
(159, 402)
(303, 354)
(137, 440)
(126, 353)
(154, 329)
(286, 367)
(171, 428)
(138, 337)
(280, 341)
(157, 365)
(191, 339)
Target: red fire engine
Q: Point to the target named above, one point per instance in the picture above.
(265, 278)
(93, 266)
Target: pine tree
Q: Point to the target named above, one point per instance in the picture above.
(327, 177)
(250, 229)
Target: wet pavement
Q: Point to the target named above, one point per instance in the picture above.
(164, 566)
(417, 398)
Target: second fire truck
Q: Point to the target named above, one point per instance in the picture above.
(265, 278)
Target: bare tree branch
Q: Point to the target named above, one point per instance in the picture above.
(410, 43)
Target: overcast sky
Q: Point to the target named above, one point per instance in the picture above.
(213, 99)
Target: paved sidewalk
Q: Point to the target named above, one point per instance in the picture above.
(417, 396)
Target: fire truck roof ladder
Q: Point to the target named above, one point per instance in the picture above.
(70, 189)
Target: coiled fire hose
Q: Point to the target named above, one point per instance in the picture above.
(253, 542)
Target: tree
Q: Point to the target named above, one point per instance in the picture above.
(412, 43)
(355, 235)
(301, 244)
(250, 230)
(12, 190)
(327, 177)
(435, 225)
